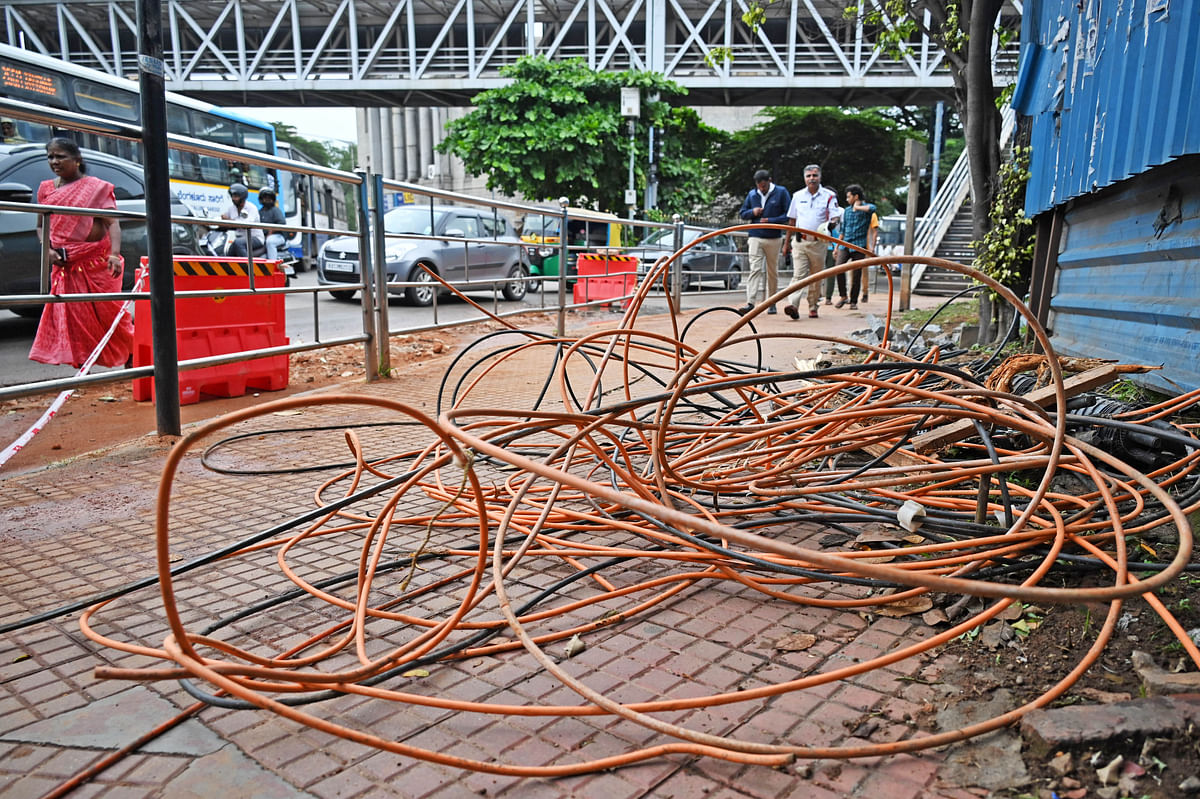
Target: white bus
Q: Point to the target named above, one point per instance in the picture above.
(199, 180)
(310, 202)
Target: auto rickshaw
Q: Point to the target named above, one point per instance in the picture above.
(597, 231)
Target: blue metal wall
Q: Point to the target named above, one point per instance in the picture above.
(1129, 276)
(1111, 87)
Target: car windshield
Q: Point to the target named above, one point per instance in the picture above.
(411, 220)
(541, 225)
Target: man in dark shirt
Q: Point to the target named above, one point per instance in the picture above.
(766, 202)
(856, 222)
(272, 214)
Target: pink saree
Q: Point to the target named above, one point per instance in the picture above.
(69, 331)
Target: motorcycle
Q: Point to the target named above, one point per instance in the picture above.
(219, 243)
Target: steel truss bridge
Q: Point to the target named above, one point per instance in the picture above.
(442, 52)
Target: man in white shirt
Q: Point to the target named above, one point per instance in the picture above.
(243, 211)
(811, 207)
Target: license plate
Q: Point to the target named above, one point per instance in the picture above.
(340, 266)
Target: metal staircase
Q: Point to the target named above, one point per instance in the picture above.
(945, 231)
(956, 245)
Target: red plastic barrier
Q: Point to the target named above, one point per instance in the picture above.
(604, 277)
(217, 326)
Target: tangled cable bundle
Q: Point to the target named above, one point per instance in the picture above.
(662, 478)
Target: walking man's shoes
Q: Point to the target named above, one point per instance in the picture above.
(791, 311)
(745, 309)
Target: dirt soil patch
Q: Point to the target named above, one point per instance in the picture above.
(102, 416)
(1033, 648)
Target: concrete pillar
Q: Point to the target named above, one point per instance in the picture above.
(412, 155)
(425, 158)
(362, 136)
(444, 179)
(374, 129)
(387, 167)
(400, 170)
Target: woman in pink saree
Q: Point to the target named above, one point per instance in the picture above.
(85, 259)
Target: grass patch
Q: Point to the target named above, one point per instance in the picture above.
(959, 313)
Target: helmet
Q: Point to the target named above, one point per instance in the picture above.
(264, 194)
(238, 191)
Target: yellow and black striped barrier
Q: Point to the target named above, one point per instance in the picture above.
(222, 267)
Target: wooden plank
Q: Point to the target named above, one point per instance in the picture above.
(947, 434)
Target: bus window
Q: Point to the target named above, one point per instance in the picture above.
(257, 177)
(178, 121)
(213, 128)
(287, 193)
(254, 139)
(213, 170)
(106, 101)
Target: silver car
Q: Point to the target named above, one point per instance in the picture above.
(467, 248)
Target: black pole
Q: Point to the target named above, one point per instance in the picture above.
(151, 74)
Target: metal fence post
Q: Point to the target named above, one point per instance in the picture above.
(164, 345)
(367, 275)
(563, 255)
(379, 259)
(676, 277)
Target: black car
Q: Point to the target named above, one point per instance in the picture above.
(22, 169)
(714, 259)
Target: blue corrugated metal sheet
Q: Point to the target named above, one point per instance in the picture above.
(1111, 86)
(1128, 286)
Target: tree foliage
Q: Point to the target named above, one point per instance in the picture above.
(861, 147)
(1006, 252)
(325, 154)
(963, 29)
(556, 130)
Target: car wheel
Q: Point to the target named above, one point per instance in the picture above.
(733, 278)
(533, 286)
(26, 311)
(343, 294)
(516, 289)
(689, 282)
(421, 295)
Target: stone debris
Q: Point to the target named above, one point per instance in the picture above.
(1050, 730)
(1160, 682)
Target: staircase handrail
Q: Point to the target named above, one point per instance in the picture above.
(932, 227)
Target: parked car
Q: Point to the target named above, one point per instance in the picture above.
(22, 169)
(712, 259)
(471, 246)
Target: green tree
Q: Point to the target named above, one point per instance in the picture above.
(964, 30)
(556, 130)
(861, 147)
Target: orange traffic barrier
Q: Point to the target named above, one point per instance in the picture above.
(218, 326)
(605, 277)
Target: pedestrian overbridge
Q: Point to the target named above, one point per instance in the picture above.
(442, 52)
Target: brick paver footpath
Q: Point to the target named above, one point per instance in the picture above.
(74, 530)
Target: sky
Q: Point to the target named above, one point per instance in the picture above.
(335, 124)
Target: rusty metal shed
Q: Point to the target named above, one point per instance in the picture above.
(1110, 90)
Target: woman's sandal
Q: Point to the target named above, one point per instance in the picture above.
(840, 303)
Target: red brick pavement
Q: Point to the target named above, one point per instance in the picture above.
(74, 529)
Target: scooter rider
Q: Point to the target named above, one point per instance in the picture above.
(242, 211)
(272, 214)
